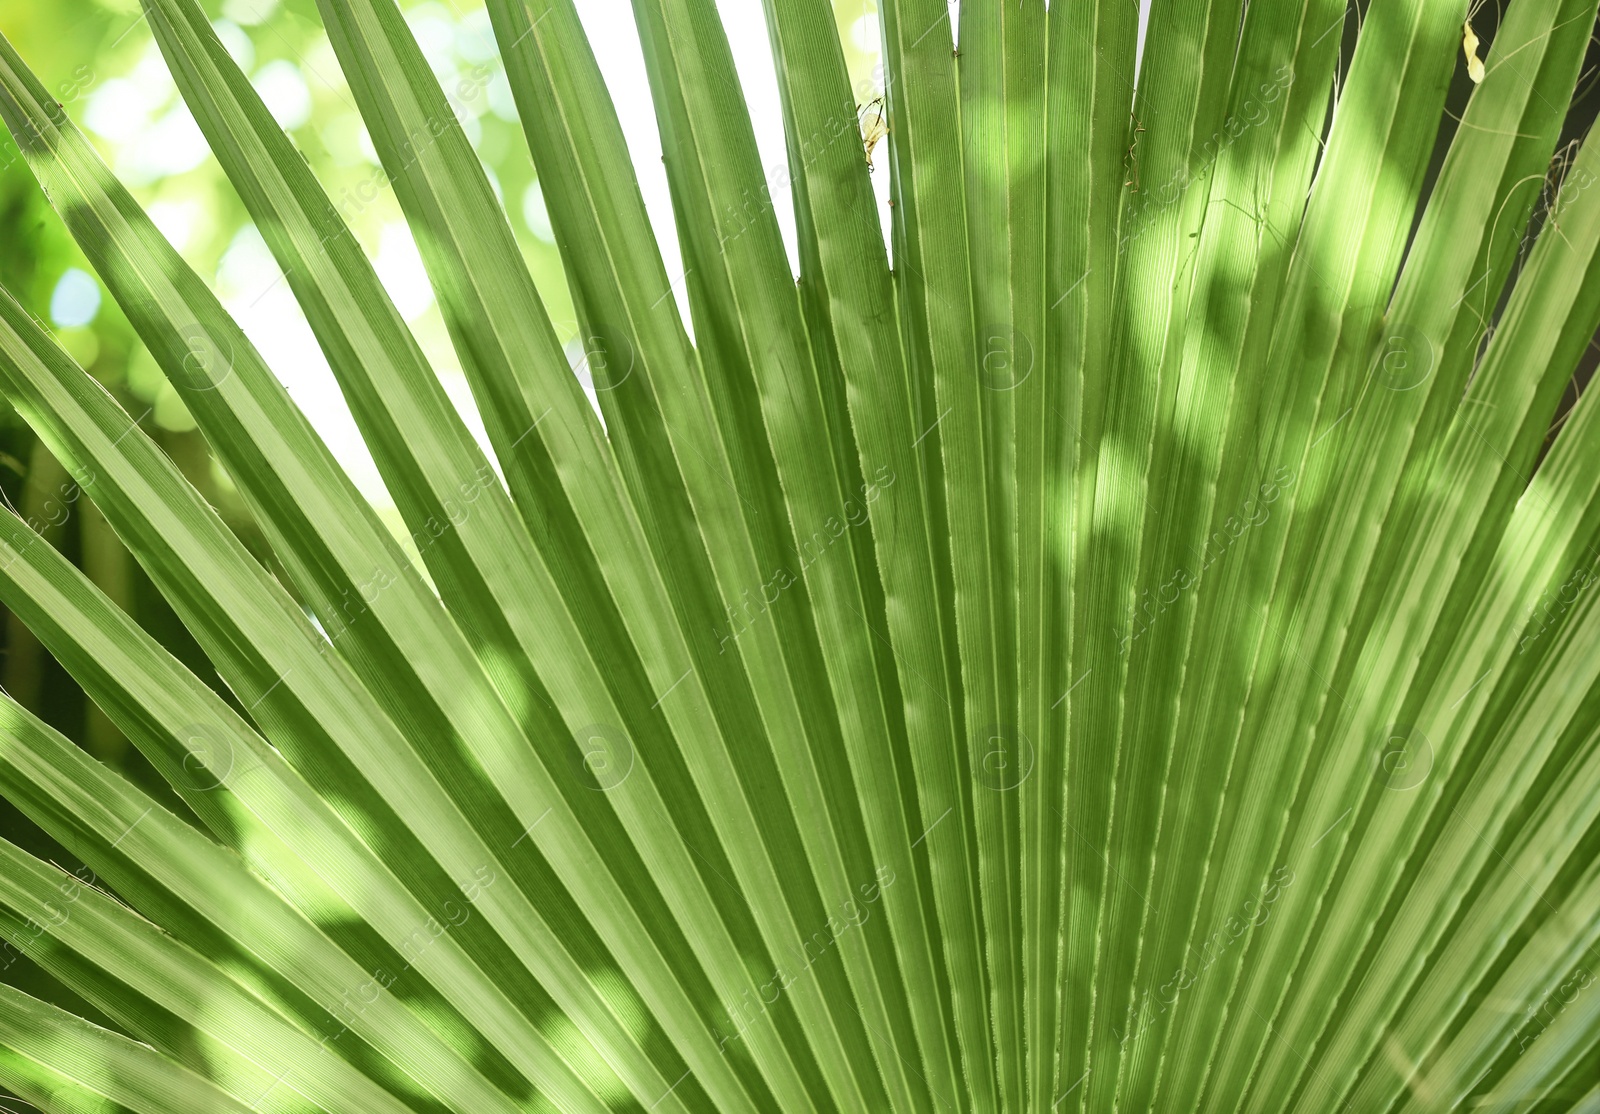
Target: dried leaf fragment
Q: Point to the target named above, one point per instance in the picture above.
(1469, 47)
(874, 126)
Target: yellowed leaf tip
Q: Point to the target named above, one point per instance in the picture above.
(874, 125)
(1469, 47)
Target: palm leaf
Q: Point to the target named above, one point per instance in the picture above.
(1134, 650)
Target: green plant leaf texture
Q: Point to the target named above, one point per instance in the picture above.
(1100, 611)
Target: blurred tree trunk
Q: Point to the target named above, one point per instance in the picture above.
(107, 563)
(43, 509)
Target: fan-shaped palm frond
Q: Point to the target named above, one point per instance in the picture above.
(1135, 652)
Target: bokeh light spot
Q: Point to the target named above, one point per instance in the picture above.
(75, 300)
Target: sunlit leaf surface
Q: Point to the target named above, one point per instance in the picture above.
(1063, 579)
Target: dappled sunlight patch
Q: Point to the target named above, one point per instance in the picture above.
(568, 1040)
(624, 1002)
(1236, 621)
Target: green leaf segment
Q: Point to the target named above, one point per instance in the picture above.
(1127, 642)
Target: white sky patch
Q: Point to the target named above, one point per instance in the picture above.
(177, 220)
(475, 37)
(1144, 26)
(400, 269)
(150, 73)
(241, 48)
(435, 29)
(535, 215)
(368, 149)
(880, 193)
(247, 267)
(250, 12)
(173, 145)
(501, 101)
(758, 77)
(120, 109)
(322, 72)
(459, 390)
(284, 92)
(255, 293)
(864, 33)
(615, 40)
(578, 356)
(348, 140)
